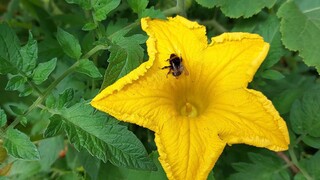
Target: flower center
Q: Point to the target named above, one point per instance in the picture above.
(189, 110)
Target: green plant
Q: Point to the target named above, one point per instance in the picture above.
(55, 56)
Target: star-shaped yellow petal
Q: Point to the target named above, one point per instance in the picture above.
(195, 114)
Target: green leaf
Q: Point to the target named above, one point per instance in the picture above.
(300, 29)
(43, 70)
(288, 90)
(50, 101)
(88, 68)
(3, 118)
(89, 26)
(270, 30)
(125, 56)
(65, 98)
(90, 164)
(104, 139)
(55, 126)
(10, 57)
(138, 5)
(240, 8)
(29, 54)
(312, 141)
(85, 4)
(103, 7)
(15, 83)
(109, 171)
(272, 74)
(152, 13)
(26, 91)
(23, 120)
(49, 150)
(312, 165)
(24, 170)
(304, 114)
(118, 29)
(266, 166)
(16, 109)
(206, 3)
(19, 145)
(70, 45)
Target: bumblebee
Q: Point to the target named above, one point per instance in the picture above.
(176, 67)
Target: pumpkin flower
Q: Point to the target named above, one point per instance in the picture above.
(195, 114)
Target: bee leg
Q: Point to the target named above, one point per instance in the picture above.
(165, 67)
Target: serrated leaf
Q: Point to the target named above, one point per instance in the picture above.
(138, 5)
(69, 44)
(125, 56)
(152, 13)
(43, 70)
(10, 57)
(304, 114)
(19, 145)
(87, 67)
(262, 167)
(114, 172)
(106, 141)
(15, 83)
(103, 7)
(29, 53)
(300, 29)
(65, 97)
(26, 91)
(55, 126)
(3, 118)
(241, 8)
(272, 74)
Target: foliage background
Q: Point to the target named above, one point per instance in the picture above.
(56, 55)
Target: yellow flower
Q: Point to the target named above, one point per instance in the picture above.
(194, 115)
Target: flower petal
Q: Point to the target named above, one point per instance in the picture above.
(145, 102)
(247, 116)
(149, 100)
(235, 57)
(177, 36)
(188, 148)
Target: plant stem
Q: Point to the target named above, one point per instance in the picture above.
(93, 51)
(216, 25)
(40, 99)
(171, 11)
(34, 86)
(178, 9)
(181, 6)
(296, 163)
(293, 168)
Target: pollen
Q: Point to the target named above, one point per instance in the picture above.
(189, 110)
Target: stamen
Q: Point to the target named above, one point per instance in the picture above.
(189, 110)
